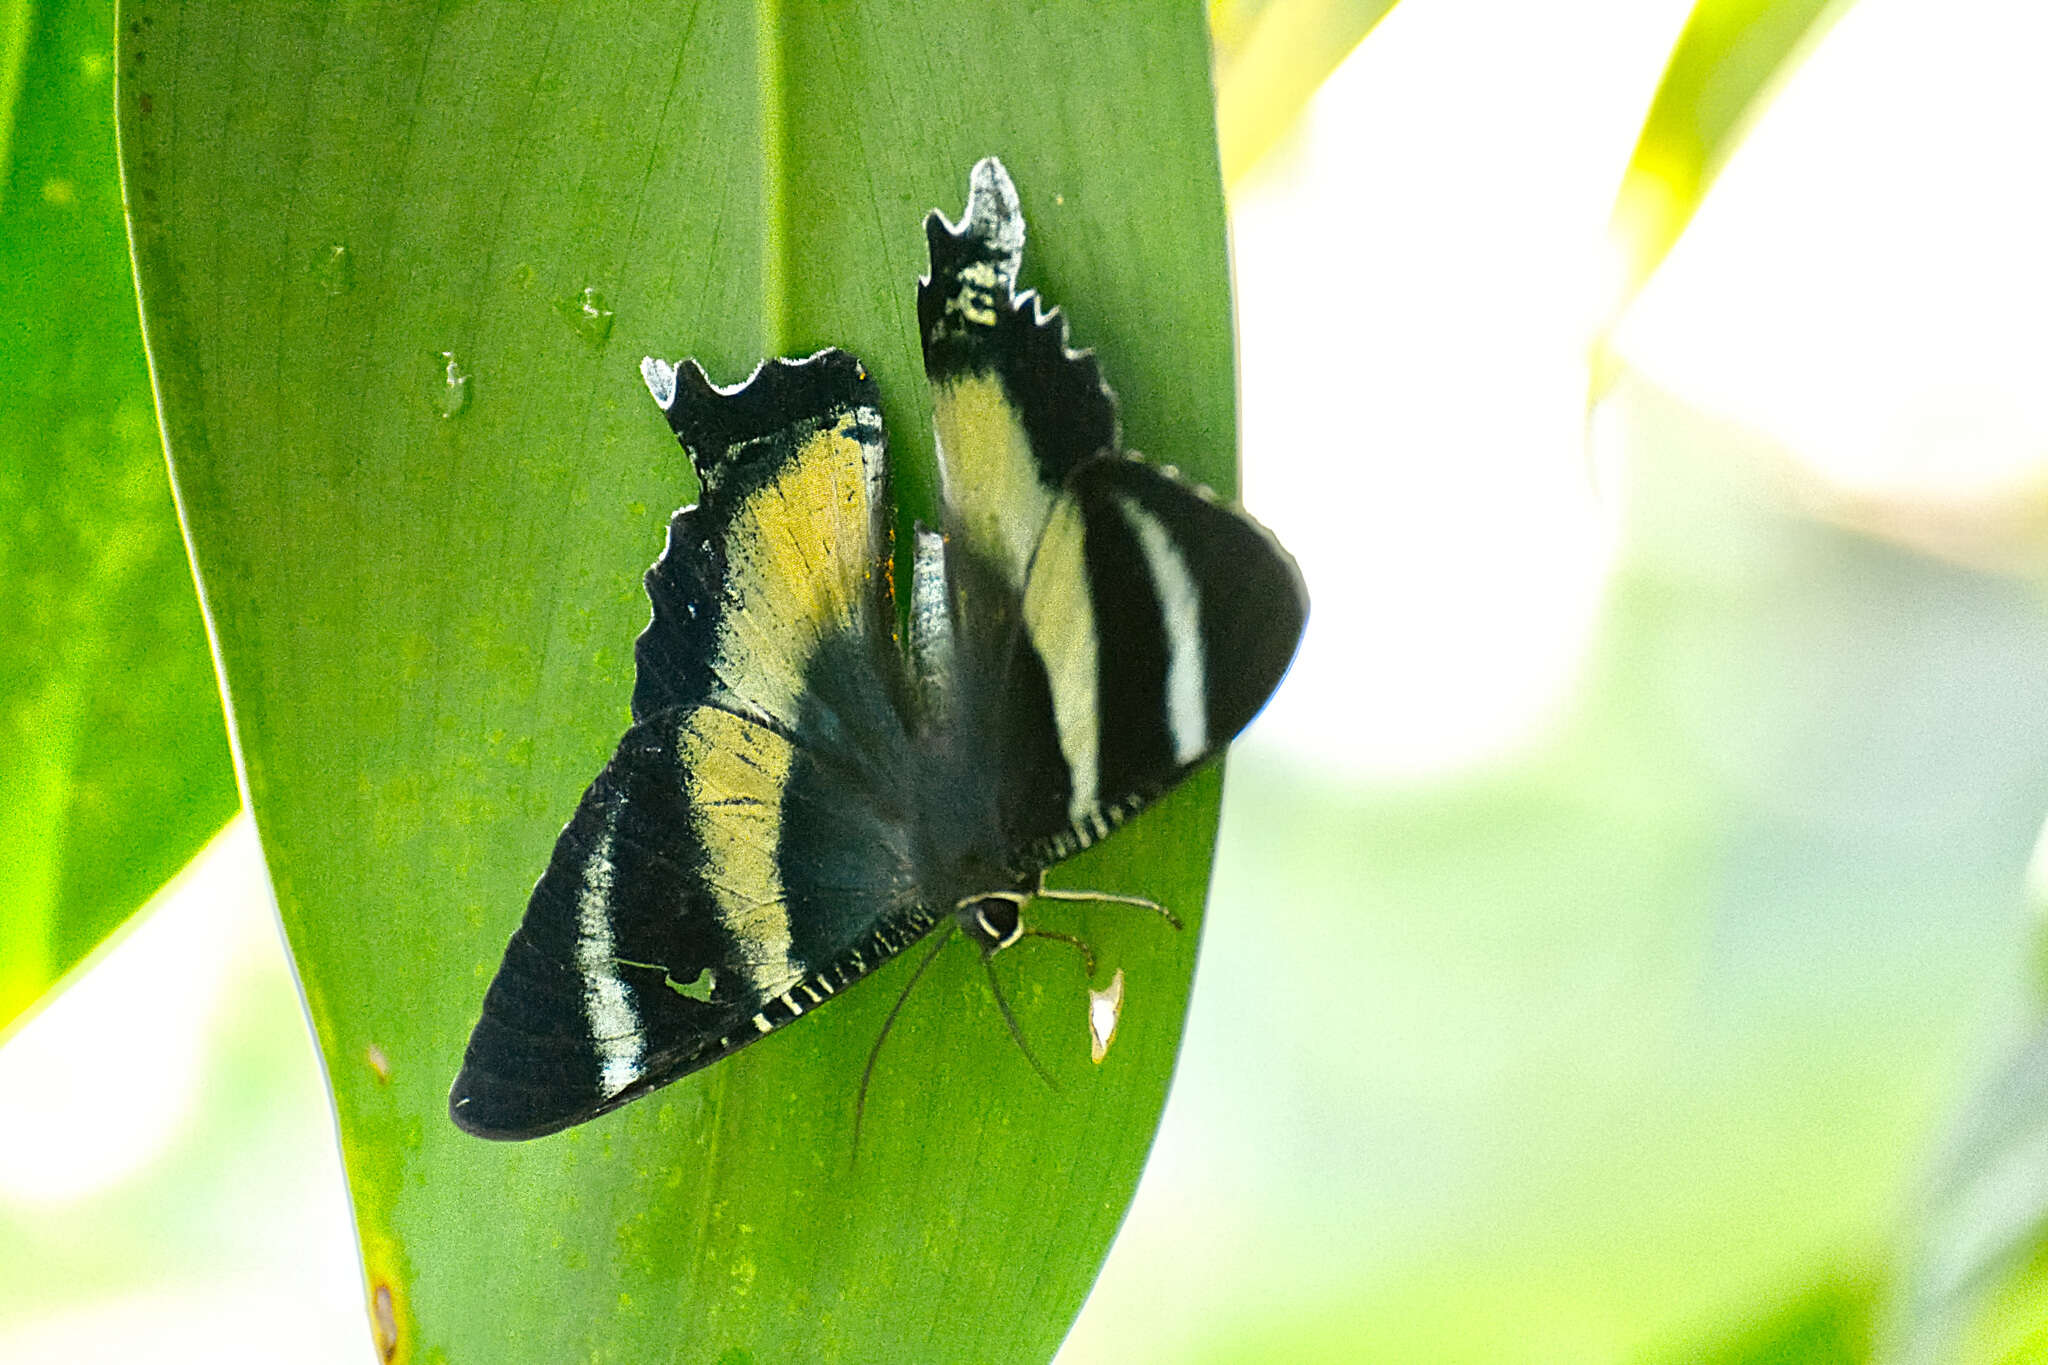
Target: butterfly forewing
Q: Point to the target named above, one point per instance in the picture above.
(788, 545)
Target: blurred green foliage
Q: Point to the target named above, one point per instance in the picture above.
(1634, 1047)
(242, 1184)
(1271, 58)
(1973, 1281)
(1729, 58)
(114, 764)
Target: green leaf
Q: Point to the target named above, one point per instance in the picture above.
(425, 594)
(1273, 55)
(1824, 1322)
(1730, 56)
(114, 765)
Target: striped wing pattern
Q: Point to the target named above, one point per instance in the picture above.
(1150, 622)
(740, 860)
(804, 790)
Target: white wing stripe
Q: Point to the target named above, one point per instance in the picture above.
(1180, 610)
(1059, 615)
(615, 1028)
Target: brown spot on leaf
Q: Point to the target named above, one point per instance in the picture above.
(384, 1322)
(379, 1063)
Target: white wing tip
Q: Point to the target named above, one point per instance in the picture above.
(993, 209)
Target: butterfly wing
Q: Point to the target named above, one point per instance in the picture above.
(1014, 409)
(789, 544)
(1129, 624)
(1156, 621)
(675, 922)
(754, 845)
(746, 853)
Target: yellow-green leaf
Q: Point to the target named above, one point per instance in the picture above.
(114, 764)
(1272, 57)
(1729, 57)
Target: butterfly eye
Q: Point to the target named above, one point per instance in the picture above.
(995, 923)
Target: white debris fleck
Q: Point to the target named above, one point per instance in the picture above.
(1105, 1008)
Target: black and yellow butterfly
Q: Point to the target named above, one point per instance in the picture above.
(805, 791)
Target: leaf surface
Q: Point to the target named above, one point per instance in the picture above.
(423, 480)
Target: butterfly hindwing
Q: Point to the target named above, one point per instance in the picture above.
(1014, 409)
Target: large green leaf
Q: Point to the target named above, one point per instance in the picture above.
(422, 481)
(114, 762)
(1730, 56)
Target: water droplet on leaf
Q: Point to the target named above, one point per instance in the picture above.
(587, 313)
(453, 398)
(335, 268)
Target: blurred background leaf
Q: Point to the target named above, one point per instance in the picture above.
(1271, 58)
(1972, 1282)
(1825, 1324)
(1729, 58)
(114, 765)
(397, 275)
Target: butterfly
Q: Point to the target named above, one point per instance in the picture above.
(806, 788)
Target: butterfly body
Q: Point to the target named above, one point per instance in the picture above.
(813, 781)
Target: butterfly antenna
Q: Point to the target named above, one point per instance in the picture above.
(867, 1073)
(1016, 1031)
(1108, 898)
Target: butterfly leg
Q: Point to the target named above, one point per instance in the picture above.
(1048, 893)
(867, 1073)
(1016, 1029)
